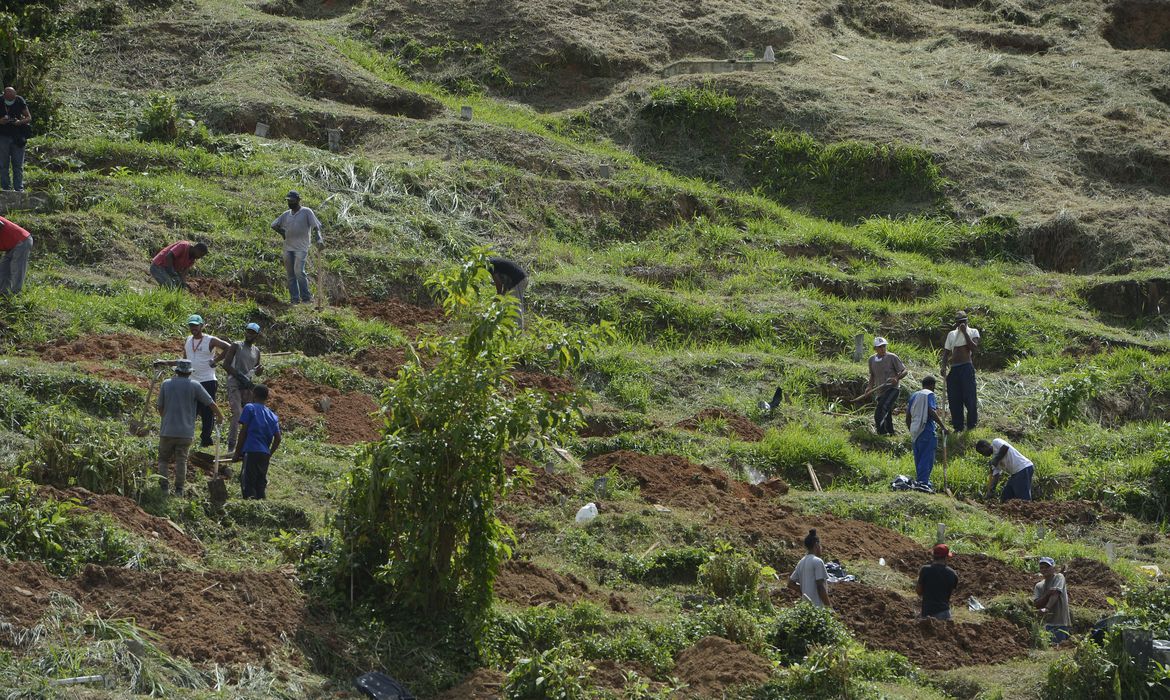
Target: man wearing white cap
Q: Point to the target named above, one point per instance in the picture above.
(1050, 597)
(885, 371)
(176, 402)
(242, 364)
(200, 349)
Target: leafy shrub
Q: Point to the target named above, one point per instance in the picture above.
(1086, 675)
(554, 674)
(1020, 612)
(676, 565)
(1065, 397)
(735, 624)
(71, 449)
(785, 453)
(827, 672)
(160, 119)
(803, 626)
(729, 574)
(690, 104)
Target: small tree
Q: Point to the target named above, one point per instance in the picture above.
(419, 514)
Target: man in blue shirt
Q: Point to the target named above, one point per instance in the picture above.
(259, 438)
(921, 420)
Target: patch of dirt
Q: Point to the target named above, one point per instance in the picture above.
(610, 424)
(207, 617)
(482, 684)
(1132, 298)
(1139, 24)
(1090, 582)
(396, 312)
(979, 575)
(380, 363)
(1057, 512)
(104, 347)
(882, 619)
(548, 383)
(212, 288)
(301, 402)
(525, 583)
(546, 490)
(751, 511)
(740, 426)
(130, 517)
(99, 369)
(714, 664)
(1013, 40)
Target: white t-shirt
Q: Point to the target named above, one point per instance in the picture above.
(1013, 462)
(1057, 612)
(955, 339)
(808, 571)
(200, 354)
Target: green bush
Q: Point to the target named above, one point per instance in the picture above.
(1085, 675)
(1019, 611)
(554, 674)
(735, 624)
(676, 565)
(688, 105)
(827, 672)
(729, 574)
(71, 449)
(803, 626)
(787, 451)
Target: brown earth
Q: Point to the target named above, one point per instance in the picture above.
(482, 684)
(396, 312)
(740, 426)
(752, 511)
(1090, 582)
(1057, 512)
(882, 619)
(207, 617)
(546, 490)
(548, 383)
(211, 288)
(130, 517)
(104, 347)
(301, 402)
(525, 583)
(380, 363)
(713, 665)
(979, 574)
(98, 369)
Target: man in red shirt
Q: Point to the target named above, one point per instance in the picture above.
(16, 244)
(169, 267)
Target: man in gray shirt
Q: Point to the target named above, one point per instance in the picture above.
(176, 404)
(242, 363)
(296, 226)
(885, 371)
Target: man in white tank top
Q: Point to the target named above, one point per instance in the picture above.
(200, 349)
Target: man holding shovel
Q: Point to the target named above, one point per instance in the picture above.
(242, 364)
(201, 349)
(885, 371)
(921, 418)
(177, 398)
(296, 226)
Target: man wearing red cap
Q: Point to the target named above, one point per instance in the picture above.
(936, 583)
(15, 244)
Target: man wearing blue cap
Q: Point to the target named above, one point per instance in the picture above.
(201, 349)
(242, 364)
(296, 226)
(176, 402)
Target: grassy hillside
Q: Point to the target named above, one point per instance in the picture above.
(702, 249)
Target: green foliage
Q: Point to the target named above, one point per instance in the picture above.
(1019, 611)
(160, 119)
(1064, 399)
(786, 451)
(729, 574)
(803, 626)
(847, 180)
(736, 624)
(827, 672)
(554, 674)
(704, 105)
(30, 41)
(419, 509)
(1085, 675)
(675, 565)
(72, 449)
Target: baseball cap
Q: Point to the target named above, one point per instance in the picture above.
(879, 341)
(941, 551)
(254, 327)
(1047, 561)
(961, 316)
(183, 367)
(194, 320)
(293, 194)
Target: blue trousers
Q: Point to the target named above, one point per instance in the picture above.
(1019, 485)
(961, 396)
(924, 449)
(298, 281)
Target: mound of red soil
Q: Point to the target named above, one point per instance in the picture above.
(127, 513)
(380, 363)
(882, 619)
(395, 312)
(105, 347)
(749, 510)
(211, 288)
(220, 617)
(482, 684)
(740, 426)
(1057, 512)
(713, 665)
(97, 369)
(979, 574)
(546, 490)
(525, 583)
(301, 402)
(548, 383)
(1090, 582)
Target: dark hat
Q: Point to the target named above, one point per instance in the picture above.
(293, 194)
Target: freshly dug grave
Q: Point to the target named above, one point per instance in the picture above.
(714, 665)
(1090, 582)
(482, 684)
(130, 517)
(1057, 512)
(396, 312)
(525, 583)
(740, 426)
(547, 383)
(979, 574)
(211, 617)
(211, 288)
(301, 402)
(104, 347)
(380, 363)
(749, 510)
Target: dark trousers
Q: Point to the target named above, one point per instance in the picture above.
(883, 415)
(961, 396)
(208, 416)
(254, 475)
(1019, 485)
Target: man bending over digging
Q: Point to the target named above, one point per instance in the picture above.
(1005, 458)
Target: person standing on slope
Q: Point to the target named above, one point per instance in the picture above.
(885, 372)
(810, 577)
(242, 364)
(296, 226)
(200, 349)
(936, 583)
(958, 370)
(176, 404)
(509, 278)
(1050, 597)
(921, 418)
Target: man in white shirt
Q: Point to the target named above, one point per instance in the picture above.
(958, 370)
(296, 226)
(810, 576)
(1006, 459)
(200, 349)
(1050, 597)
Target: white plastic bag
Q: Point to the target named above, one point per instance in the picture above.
(587, 513)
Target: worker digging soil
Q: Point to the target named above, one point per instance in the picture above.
(242, 364)
(177, 399)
